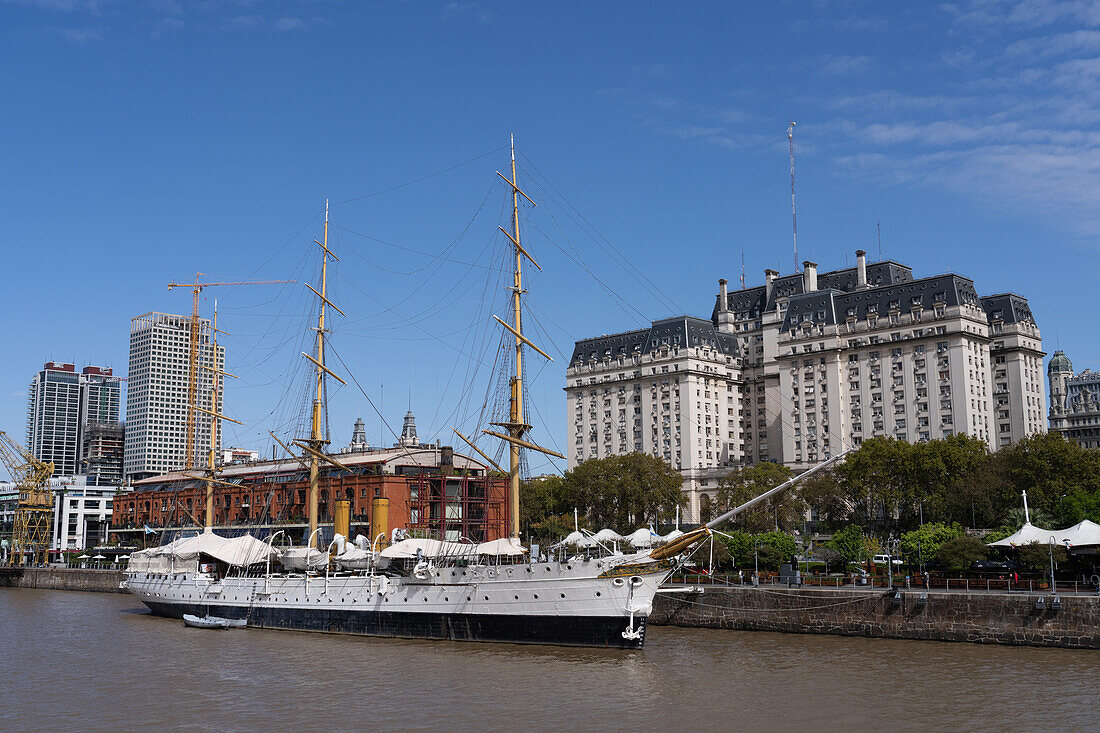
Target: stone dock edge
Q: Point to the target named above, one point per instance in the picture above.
(1022, 619)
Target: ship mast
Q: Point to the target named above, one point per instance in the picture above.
(213, 423)
(515, 426)
(215, 416)
(316, 444)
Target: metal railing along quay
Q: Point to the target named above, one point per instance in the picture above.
(870, 582)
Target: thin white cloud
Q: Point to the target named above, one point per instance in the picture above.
(79, 36)
(468, 10)
(289, 24)
(832, 65)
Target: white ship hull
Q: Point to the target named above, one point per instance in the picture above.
(578, 602)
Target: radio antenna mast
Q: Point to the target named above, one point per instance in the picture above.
(794, 216)
(878, 231)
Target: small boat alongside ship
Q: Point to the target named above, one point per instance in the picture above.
(213, 622)
(575, 593)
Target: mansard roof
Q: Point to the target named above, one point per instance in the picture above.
(686, 331)
(833, 306)
(755, 300)
(1007, 307)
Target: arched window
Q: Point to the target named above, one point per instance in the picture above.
(705, 508)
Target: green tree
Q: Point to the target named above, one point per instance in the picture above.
(827, 495)
(833, 559)
(877, 480)
(924, 542)
(962, 552)
(624, 492)
(1049, 467)
(546, 506)
(1079, 505)
(1036, 555)
(781, 547)
(937, 467)
(743, 484)
(848, 542)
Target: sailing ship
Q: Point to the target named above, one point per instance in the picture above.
(415, 587)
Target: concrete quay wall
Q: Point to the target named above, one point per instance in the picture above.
(987, 618)
(82, 579)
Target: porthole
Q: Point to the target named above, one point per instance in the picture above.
(425, 599)
(597, 594)
(536, 596)
(563, 595)
(618, 582)
(405, 599)
(468, 598)
(517, 598)
(486, 597)
(446, 599)
(568, 567)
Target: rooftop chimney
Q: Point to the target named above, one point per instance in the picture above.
(809, 276)
(723, 296)
(861, 269)
(769, 282)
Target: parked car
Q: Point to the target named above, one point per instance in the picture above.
(884, 560)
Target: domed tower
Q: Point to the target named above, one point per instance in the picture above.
(1059, 370)
(408, 431)
(359, 442)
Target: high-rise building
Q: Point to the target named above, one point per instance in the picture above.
(1074, 402)
(804, 366)
(157, 394)
(53, 417)
(101, 447)
(62, 405)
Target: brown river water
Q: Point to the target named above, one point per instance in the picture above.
(100, 662)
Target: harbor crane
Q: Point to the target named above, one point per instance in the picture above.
(34, 510)
(193, 360)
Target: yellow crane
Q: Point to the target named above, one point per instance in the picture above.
(34, 511)
(193, 360)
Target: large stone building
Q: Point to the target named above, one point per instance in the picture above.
(672, 390)
(1074, 402)
(156, 395)
(62, 406)
(807, 365)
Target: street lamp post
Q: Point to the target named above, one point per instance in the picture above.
(756, 562)
(1051, 548)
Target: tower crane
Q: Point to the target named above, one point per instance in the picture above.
(33, 513)
(193, 360)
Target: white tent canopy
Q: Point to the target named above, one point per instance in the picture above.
(608, 535)
(643, 537)
(1082, 534)
(509, 546)
(183, 554)
(407, 549)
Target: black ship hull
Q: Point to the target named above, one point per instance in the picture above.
(591, 631)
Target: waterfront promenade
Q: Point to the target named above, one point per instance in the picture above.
(1068, 620)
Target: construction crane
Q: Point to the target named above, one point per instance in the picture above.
(193, 360)
(33, 513)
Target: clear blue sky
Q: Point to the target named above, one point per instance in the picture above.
(145, 141)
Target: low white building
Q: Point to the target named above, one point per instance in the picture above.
(82, 513)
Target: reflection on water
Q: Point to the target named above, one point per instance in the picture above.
(99, 662)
